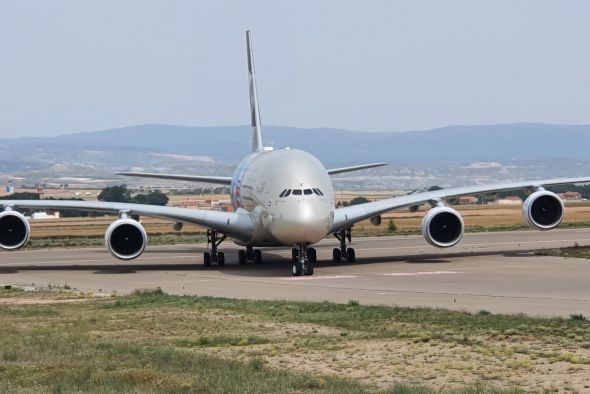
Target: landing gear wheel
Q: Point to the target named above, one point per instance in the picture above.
(241, 257)
(336, 255)
(220, 259)
(207, 259)
(308, 270)
(297, 268)
(311, 255)
(249, 254)
(294, 254)
(257, 256)
(350, 255)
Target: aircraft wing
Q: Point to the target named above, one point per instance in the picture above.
(345, 217)
(222, 180)
(237, 224)
(340, 170)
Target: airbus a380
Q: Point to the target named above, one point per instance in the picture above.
(284, 198)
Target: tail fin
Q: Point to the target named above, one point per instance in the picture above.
(254, 110)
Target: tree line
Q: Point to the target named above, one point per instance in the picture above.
(108, 194)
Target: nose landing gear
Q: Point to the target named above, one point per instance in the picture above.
(343, 252)
(303, 259)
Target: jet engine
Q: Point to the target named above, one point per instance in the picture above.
(125, 239)
(14, 230)
(442, 227)
(543, 210)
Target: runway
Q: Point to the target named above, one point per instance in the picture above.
(498, 272)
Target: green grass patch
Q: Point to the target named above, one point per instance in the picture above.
(157, 343)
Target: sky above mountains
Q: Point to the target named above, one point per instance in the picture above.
(376, 65)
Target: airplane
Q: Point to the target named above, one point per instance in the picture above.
(285, 198)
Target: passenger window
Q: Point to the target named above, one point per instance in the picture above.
(283, 193)
(297, 192)
(287, 194)
(307, 192)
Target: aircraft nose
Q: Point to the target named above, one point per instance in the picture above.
(302, 221)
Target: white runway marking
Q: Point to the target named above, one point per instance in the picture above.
(423, 273)
(319, 277)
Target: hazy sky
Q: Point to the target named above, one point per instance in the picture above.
(386, 65)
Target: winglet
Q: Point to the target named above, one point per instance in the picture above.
(254, 110)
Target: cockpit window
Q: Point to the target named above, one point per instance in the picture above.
(307, 192)
(288, 192)
(283, 193)
(297, 192)
(316, 191)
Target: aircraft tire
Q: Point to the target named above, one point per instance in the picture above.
(207, 259)
(220, 259)
(336, 255)
(312, 255)
(241, 257)
(257, 256)
(308, 269)
(297, 269)
(350, 255)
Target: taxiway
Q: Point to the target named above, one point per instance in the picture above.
(498, 272)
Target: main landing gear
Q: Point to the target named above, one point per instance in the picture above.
(250, 254)
(303, 260)
(343, 253)
(213, 256)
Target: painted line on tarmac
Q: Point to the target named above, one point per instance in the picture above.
(298, 278)
(422, 273)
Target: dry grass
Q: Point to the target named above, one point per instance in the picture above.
(151, 342)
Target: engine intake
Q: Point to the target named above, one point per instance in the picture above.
(14, 230)
(442, 227)
(543, 210)
(125, 239)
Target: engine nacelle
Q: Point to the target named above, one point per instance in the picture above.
(543, 210)
(125, 239)
(14, 230)
(442, 227)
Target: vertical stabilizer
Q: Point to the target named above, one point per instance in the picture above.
(254, 110)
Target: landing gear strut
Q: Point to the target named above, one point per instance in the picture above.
(249, 254)
(343, 252)
(303, 259)
(214, 256)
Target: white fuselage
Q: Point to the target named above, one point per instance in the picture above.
(289, 194)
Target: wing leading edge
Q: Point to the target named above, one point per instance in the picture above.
(221, 180)
(341, 170)
(347, 216)
(237, 224)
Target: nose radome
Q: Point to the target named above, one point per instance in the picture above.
(302, 221)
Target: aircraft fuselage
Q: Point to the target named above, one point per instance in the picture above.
(289, 194)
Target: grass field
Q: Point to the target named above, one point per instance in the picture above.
(57, 341)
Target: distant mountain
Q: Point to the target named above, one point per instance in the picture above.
(523, 141)
(449, 156)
